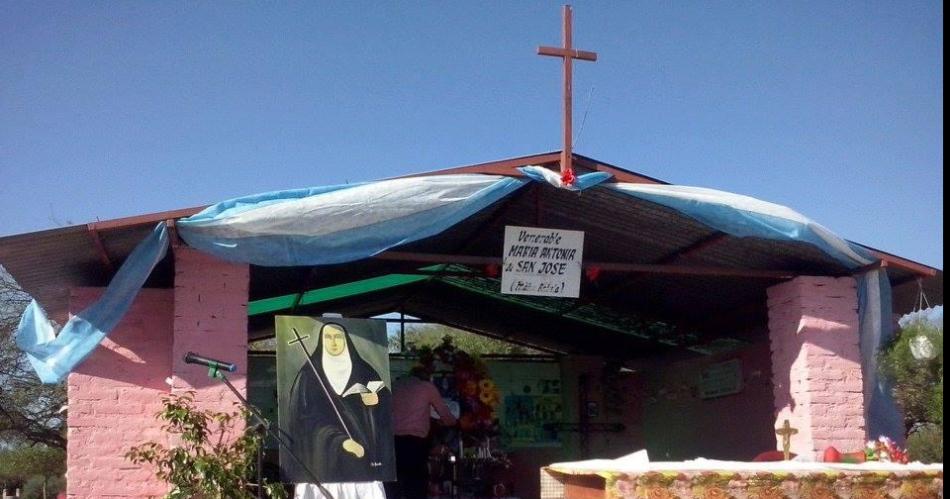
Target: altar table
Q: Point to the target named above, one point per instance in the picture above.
(710, 479)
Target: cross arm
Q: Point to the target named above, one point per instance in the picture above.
(299, 338)
(572, 53)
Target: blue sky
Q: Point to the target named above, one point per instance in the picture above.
(112, 109)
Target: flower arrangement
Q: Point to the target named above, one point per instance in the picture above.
(885, 450)
(478, 395)
(882, 450)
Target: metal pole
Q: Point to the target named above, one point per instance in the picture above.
(402, 332)
(263, 421)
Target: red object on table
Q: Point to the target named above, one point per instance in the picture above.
(831, 455)
(772, 455)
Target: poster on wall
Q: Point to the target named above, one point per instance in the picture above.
(532, 402)
(334, 399)
(721, 379)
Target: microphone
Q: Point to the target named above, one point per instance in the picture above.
(193, 358)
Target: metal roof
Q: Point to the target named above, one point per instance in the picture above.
(620, 232)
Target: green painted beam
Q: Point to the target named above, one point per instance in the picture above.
(274, 304)
(354, 288)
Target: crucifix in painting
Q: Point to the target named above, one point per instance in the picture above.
(568, 53)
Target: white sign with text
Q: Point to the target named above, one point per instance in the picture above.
(542, 262)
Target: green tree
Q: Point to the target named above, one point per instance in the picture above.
(431, 335)
(39, 487)
(913, 362)
(30, 412)
(41, 466)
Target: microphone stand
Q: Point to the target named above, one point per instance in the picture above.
(214, 372)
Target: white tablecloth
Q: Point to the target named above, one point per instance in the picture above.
(349, 490)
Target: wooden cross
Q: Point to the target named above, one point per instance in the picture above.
(786, 432)
(568, 53)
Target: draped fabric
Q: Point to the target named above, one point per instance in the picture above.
(744, 216)
(54, 356)
(582, 182)
(337, 224)
(317, 226)
(342, 223)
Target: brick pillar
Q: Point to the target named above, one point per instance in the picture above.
(211, 320)
(113, 397)
(816, 363)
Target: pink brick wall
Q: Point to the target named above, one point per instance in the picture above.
(115, 393)
(211, 320)
(113, 397)
(816, 363)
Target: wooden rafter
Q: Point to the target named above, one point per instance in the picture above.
(691, 249)
(100, 248)
(904, 264)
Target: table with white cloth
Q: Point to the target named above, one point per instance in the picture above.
(711, 479)
(349, 490)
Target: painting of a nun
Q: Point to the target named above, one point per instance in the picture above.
(336, 408)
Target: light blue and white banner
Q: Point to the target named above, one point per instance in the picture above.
(342, 223)
(318, 226)
(337, 224)
(53, 355)
(744, 216)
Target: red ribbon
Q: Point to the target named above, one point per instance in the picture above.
(567, 177)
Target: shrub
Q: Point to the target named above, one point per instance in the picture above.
(206, 464)
(925, 444)
(918, 386)
(918, 383)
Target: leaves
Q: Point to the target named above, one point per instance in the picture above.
(430, 336)
(205, 463)
(22, 464)
(918, 383)
(918, 386)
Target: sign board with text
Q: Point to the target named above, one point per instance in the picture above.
(542, 262)
(718, 380)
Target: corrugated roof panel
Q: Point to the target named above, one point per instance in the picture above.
(618, 227)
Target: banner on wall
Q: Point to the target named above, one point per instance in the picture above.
(532, 402)
(334, 399)
(721, 379)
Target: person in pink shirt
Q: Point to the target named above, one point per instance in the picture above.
(413, 399)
